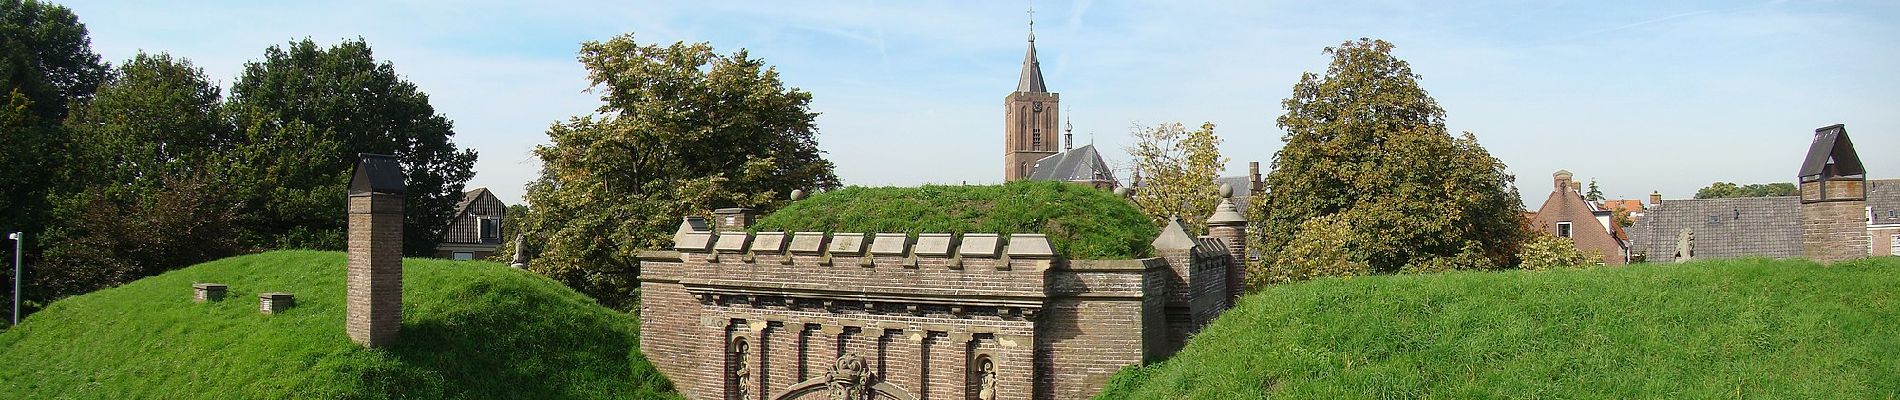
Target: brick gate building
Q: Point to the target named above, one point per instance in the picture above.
(773, 315)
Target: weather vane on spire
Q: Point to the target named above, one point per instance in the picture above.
(1032, 21)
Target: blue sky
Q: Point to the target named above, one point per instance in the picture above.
(1640, 95)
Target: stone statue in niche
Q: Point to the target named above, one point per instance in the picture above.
(741, 371)
(1685, 245)
(986, 379)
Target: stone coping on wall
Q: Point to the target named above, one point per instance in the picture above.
(981, 245)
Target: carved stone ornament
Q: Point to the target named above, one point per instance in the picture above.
(848, 378)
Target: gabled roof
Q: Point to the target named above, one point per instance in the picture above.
(1832, 146)
(469, 197)
(1080, 165)
(1031, 80)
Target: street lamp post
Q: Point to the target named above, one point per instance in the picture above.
(19, 240)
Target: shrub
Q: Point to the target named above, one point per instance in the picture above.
(1323, 247)
(1082, 222)
(1551, 252)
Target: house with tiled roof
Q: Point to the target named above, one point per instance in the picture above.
(475, 231)
(1566, 214)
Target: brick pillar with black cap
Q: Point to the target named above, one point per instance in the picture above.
(1833, 198)
(375, 244)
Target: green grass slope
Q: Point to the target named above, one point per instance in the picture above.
(1082, 222)
(470, 330)
(1718, 329)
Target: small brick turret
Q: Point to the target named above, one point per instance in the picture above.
(1231, 228)
(1833, 198)
(375, 243)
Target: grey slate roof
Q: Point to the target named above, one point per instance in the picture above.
(1081, 164)
(1831, 145)
(1031, 81)
(1243, 191)
(1723, 228)
(1883, 197)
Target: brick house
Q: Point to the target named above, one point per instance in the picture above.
(1566, 214)
(1883, 216)
(475, 231)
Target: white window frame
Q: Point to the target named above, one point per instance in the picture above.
(1566, 230)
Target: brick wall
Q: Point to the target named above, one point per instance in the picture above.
(1834, 230)
(920, 311)
(1882, 240)
(374, 305)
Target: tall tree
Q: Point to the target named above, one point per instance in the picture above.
(1366, 142)
(154, 116)
(1178, 171)
(1594, 194)
(358, 105)
(140, 197)
(681, 130)
(46, 55)
(46, 63)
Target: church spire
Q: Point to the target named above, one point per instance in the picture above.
(1031, 80)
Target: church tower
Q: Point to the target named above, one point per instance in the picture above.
(1029, 119)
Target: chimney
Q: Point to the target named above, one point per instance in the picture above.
(374, 304)
(1561, 179)
(1655, 198)
(736, 219)
(1576, 186)
(1253, 173)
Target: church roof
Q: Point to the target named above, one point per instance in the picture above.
(1031, 80)
(1080, 165)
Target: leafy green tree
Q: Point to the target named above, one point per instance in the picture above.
(154, 116)
(1594, 194)
(1178, 170)
(46, 55)
(110, 240)
(681, 130)
(350, 104)
(141, 197)
(1365, 140)
(46, 63)
(1721, 190)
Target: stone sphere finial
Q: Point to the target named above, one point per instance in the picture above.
(798, 194)
(1226, 190)
(1121, 192)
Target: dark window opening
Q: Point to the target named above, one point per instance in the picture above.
(491, 229)
(1563, 229)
